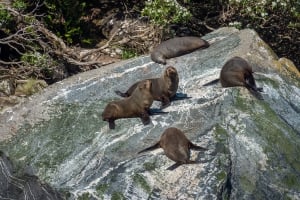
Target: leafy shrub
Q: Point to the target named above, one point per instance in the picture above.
(165, 12)
(5, 17)
(261, 11)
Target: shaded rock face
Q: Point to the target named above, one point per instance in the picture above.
(23, 186)
(253, 144)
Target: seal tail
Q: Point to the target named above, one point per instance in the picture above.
(211, 82)
(155, 146)
(196, 147)
(118, 92)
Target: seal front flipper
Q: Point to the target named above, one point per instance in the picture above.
(260, 89)
(156, 111)
(118, 92)
(174, 166)
(145, 118)
(111, 124)
(180, 96)
(165, 101)
(250, 83)
(212, 82)
(196, 147)
(155, 146)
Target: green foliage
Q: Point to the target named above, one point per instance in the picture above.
(5, 16)
(19, 5)
(36, 59)
(63, 16)
(262, 9)
(163, 12)
(128, 53)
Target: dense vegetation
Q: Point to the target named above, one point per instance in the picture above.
(57, 38)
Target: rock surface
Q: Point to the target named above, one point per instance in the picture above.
(253, 144)
(23, 186)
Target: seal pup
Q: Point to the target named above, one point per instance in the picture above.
(136, 105)
(237, 72)
(163, 88)
(176, 47)
(176, 147)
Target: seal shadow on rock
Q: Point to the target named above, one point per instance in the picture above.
(176, 47)
(163, 89)
(136, 105)
(237, 72)
(176, 146)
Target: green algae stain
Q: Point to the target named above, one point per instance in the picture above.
(221, 176)
(117, 196)
(246, 184)
(291, 181)
(221, 136)
(101, 189)
(149, 166)
(140, 180)
(241, 102)
(282, 142)
(47, 144)
(84, 196)
(220, 133)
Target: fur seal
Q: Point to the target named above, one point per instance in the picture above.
(163, 88)
(237, 72)
(176, 47)
(176, 147)
(136, 105)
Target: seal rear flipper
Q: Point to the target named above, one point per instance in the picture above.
(155, 146)
(180, 96)
(212, 82)
(174, 166)
(111, 124)
(145, 118)
(118, 92)
(165, 102)
(196, 147)
(156, 111)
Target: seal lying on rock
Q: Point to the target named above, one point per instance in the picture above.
(176, 47)
(163, 88)
(136, 105)
(237, 72)
(176, 147)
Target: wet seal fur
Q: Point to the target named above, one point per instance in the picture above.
(136, 105)
(237, 72)
(176, 147)
(176, 47)
(163, 88)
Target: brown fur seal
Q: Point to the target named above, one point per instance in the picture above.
(176, 47)
(163, 88)
(137, 105)
(176, 146)
(237, 72)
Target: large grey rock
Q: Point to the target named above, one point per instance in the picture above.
(253, 145)
(24, 185)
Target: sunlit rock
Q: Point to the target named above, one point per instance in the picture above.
(253, 144)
